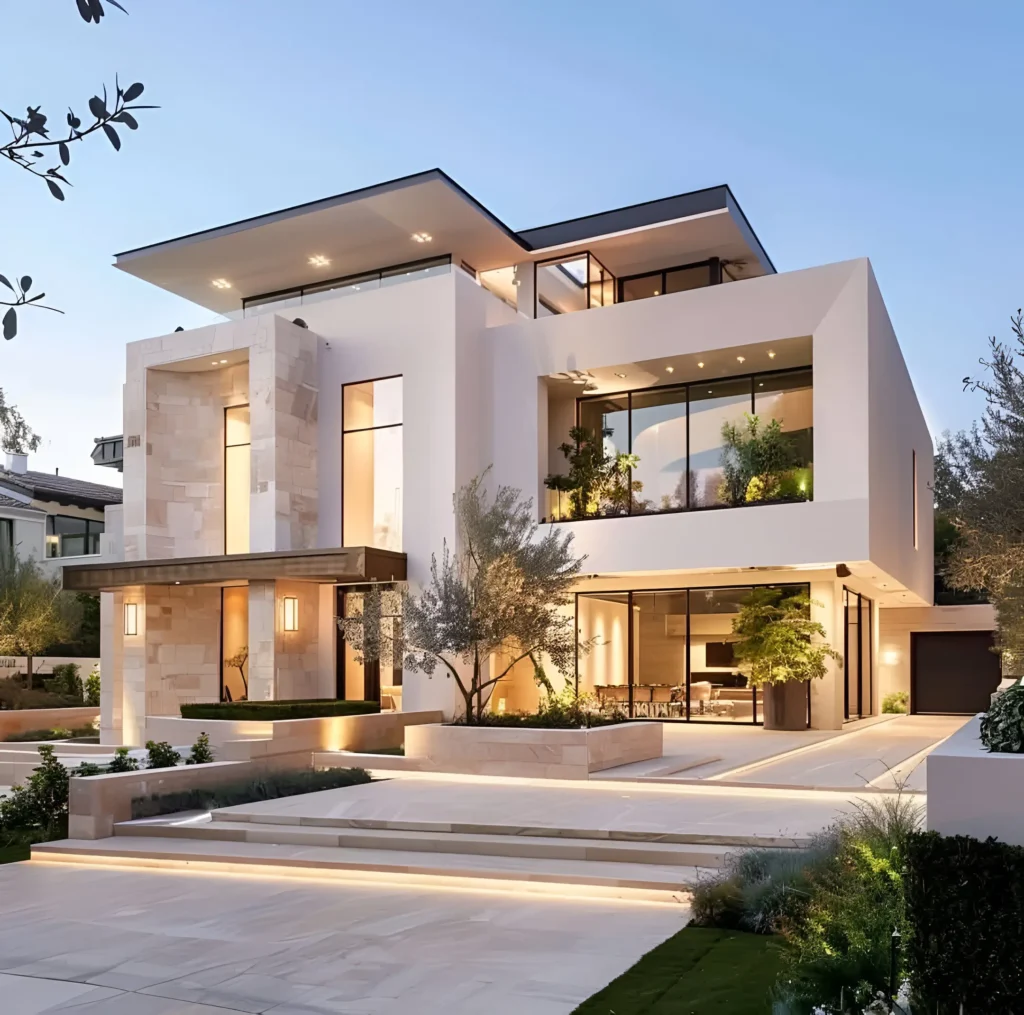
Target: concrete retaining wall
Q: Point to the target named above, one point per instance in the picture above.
(20, 720)
(539, 753)
(972, 792)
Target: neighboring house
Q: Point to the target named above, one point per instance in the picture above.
(386, 346)
(51, 517)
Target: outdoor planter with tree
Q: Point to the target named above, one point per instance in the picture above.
(761, 463)
(597, 483)
(777, 652)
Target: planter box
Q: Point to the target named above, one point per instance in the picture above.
(972, 792)
(538, 753)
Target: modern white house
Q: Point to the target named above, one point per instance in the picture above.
(383, 347)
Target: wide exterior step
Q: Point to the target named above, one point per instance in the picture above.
(589, 878)
(527, 846)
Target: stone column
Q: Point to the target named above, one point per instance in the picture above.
(262, 641)
(133, 668)
(827, 693)
(111, 667)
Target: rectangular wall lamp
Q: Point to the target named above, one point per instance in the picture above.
(131, 619)
(291, 613)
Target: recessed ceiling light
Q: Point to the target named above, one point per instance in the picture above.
(656, 292)
(223, 361)
(741, 359)
(761, 385)
(701, 365)
(214, 362)
(220, 283)
(669, 370)
(617, 374)
(319, 261)
(771, 354)
(422, 237)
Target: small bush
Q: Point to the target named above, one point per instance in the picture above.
(92, 689)
(66, 682)
(897, 703)
(550, 720)
(965, 907)
(269, 787)
(40, 807)
(123, 762)
(1002, 726)
(200, 753)
(161, 755)
(271, 711)
(13, 695)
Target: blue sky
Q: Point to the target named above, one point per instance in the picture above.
(844, 129)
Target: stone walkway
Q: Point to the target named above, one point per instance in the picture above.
(131, 942)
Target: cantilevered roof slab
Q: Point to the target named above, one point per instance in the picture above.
(344, 565)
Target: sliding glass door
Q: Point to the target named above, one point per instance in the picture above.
(858, 657)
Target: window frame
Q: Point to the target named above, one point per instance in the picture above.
(685, 386)
(224, 463)
(94, 527)
(713, 264)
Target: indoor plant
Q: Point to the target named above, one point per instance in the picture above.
(777, 652)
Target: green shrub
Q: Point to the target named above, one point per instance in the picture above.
(896, 703)
(53, 733)
(1002, 726)
(66, 682)
(230, 794)
(200, 753)
(271, 711)
(161, 755)
(553, 719)
(123, 762)
(92, 689)
(965, 908)
(14, 695)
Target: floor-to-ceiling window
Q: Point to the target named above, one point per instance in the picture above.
(234, 643)
(372, 464)
(667, 653)
(378, 679)
(572, 283)
(675, 434)
(858, 658)
(237, 457)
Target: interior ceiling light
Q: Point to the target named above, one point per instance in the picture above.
(220, 283)
(741, 359)
(771, 354)
(669, 370)
(422, 237)
(319, 261)
(701, 365)
(577, 376)
(223, 361)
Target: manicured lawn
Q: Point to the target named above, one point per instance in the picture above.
(11, 854)
(699, 971)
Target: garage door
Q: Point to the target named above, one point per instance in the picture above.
(952, 672)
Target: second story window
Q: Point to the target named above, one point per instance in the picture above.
(371, 454)
(577, 282)
(237, 449)
(672, 280)
(72, 537)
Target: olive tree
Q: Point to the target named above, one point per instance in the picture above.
(501, 595)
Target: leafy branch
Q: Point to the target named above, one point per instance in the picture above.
(30, 149)
(22, 299)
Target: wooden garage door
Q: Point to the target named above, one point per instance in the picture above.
(952, 671)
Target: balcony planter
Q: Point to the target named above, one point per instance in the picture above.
(785, 705)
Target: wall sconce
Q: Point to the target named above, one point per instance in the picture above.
(291, 613)
(131, 619)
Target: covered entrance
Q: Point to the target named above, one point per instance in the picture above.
(952, 672)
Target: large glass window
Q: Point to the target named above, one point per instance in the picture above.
(675, 437)
(858, 658)
(379, 679)
(234, 643)
(573, 283)
(71, 537)
(237, 448)
(6, 538)
(372, 464)
(667, 653)
(670, 280)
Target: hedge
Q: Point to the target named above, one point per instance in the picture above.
(267, 787)
(269, 711)
(965, 904)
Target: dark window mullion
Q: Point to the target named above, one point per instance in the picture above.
(629, 428)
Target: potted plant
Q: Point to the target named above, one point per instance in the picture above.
(759, 463)
(778, 653)
(597, 482)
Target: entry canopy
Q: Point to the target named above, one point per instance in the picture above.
(428, 214)
(339, 566)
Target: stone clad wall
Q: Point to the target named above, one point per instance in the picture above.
(297, 652)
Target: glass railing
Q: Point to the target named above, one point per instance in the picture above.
(348, 286)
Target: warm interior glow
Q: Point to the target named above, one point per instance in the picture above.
(235, 642)
(131, 619)
(236, 479)
(291, 613)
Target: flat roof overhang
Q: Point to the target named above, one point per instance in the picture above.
(361, 231)
(343, 565)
